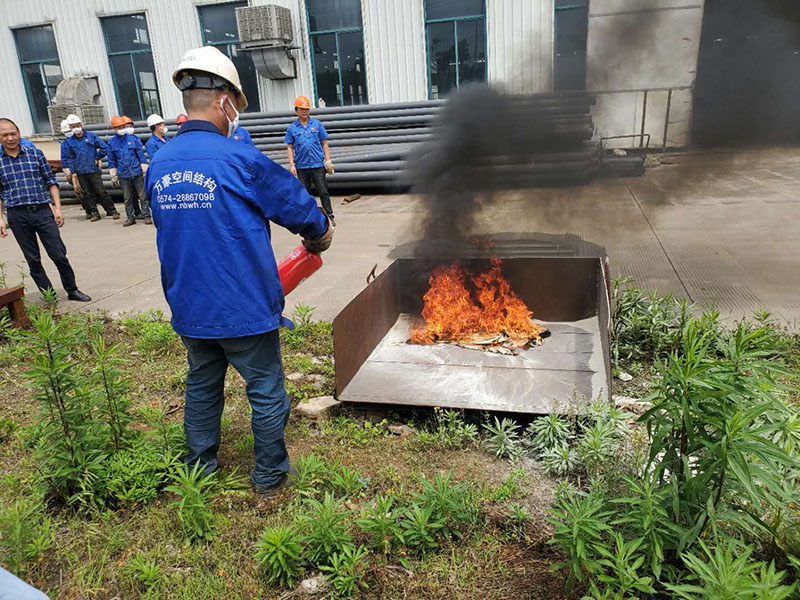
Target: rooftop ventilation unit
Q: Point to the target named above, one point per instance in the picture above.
(266, 33)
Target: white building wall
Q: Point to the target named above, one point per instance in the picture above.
(394, 45)
(633, 46)
(519, 44)
(642, 62)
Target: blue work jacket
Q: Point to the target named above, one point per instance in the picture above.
(80, 153)
(154, 144)
(212, 199)
(240, 134)
(307, 143)
(126, 155)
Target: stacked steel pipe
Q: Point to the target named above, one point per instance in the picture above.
(371, 145)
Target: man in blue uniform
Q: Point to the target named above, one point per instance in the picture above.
(212, 199)
(27, 187)
(83, 152)
(309, 154)
(159, 135)
(127, 165)
(66, 131)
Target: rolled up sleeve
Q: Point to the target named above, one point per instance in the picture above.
(283, 199)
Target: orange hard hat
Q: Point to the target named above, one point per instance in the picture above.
(127, 120)
(181, 118)
(302, 102)
(116, 121)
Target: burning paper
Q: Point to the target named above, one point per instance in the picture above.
(480, 312)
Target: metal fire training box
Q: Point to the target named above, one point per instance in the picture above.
(567, 295)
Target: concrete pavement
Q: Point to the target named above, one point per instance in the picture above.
(719, 228)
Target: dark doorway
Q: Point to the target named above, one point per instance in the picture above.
(748, 74)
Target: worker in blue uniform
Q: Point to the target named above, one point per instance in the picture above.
(212, 200)
(158, 137)
(127, 165)
(83, 152)
(309, 154)
(240, 134)
(66, 131)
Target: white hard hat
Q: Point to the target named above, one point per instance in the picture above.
(220, 68)
(154, 120)
(73, 119)
(64, 126)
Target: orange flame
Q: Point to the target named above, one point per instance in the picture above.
(451, 314)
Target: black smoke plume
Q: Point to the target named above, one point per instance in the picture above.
(484, 142)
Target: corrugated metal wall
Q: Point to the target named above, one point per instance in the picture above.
(520, 44)
(394, 44)
(519, 47)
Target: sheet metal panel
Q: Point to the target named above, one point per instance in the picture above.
(375, 364)
(394, 44)
(520, 44)
(362, 324)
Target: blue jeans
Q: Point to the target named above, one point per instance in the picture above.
(257, 358)
(12, 588)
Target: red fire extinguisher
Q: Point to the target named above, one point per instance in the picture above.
(295, 268)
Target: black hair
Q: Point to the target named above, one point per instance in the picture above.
(10, 121)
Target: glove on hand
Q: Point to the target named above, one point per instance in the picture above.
(329, 167)
(114, 178)
(319, 246)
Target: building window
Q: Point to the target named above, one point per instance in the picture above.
(571, 28)
(456, 39)
(337, 57)
(41, 70)
(132, 69)
(218, 28)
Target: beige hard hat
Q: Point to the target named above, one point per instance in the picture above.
(64, 126)
(72, 119)
(208, 68)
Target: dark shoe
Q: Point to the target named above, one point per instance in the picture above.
(79, 296)
(114, 215)
(148, 221)
(95, 217)
(271, 492)
(88, 216)
(129, 221)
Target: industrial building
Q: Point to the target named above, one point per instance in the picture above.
(638, 57)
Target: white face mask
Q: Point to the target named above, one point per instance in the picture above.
(122, 131)
(164, 129)
(232, 125)
(68, 133)
(77, 131)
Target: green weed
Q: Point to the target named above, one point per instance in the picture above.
(25, 534)
(503, 439)
(279, 554)
(346, 571)
(325, 528)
